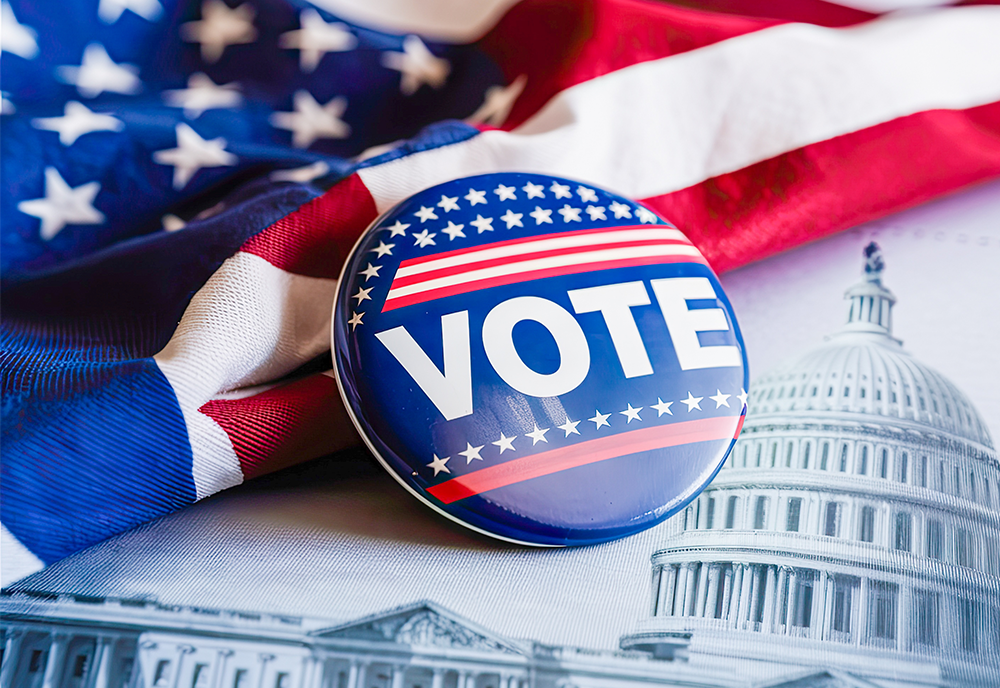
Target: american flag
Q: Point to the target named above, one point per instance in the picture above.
(183, 180)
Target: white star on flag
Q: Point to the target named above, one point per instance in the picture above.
(692, 402)
(447, 204)
(362, 294)
(620, 210)
(76, 121)
(383, 249)
(471, 453)
(570, 214)
(505, 443)
(398, 229)
(355, 321)
(425, 214)
(370, 271)
(63, 205)
(533, 190)
(596, 212)
(569, 427)
(192, 154)
(743, 396)
(537, 435)
(6, 106)
(512, 219)
(560, 190)
(453, 231)
(645, 216)
(203, 94)
(497, 102)
(438, 464)
(110, 11)
(505, 193)
(172, 223)
(16, 38)
(662, 407)
(425, 238)
(483, 224)
(304, 174)
(586, 195)
(220, 27)
(316, 38)
(721, 399)
(418, 66)
(311, 121)
(600, 419)
(541, 216)
(475, 197)
(98, 73)
(631, 413)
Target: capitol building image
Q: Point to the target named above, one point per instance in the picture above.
(855, 525)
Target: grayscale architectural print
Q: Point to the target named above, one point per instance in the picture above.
(851, 541)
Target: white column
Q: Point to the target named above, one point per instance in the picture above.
(352, 675)
(54, 665)
(793, 600)
(702, 594)
(264, 659)
(665, 599)
(770, 595)
(311, 665)
(398, 674)
(903, 619)
(219, 670)
(712, 596)
(470, 680)
(828, 608)
(11, 657)
(862, 607)
(438, 680)
(781, 598)
(819, 606)
(679, 587)
(689, 592)
(182, 650)
(462, 681)
(103, 657)
(744, 604)
(727, 592)
(754, 596)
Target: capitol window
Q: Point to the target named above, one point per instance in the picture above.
(867, 529)
(162, 674)
(904, 526)
(805, 454)
(926, 606)
(831, 523)
(968, 620)
(731, 513)
(863, 463)
(883, 470)
(882, 605)
(760, 514)
(788, 455)
(963, 547)
(241, 679)
(923, 471)
(709, 512)
(935, 538)
(843, 458)
(200, 678)
(794, 511)
(826, 455)
(904, 461)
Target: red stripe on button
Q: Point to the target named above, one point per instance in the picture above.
(583, 453)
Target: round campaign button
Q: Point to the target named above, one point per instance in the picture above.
(538, 359)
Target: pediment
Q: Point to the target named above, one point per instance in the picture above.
(818, 678)
(423, 624)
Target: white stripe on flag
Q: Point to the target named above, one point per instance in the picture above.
(552, 244)
(668, 124)
(532, 265)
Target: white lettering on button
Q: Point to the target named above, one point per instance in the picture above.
(685, 324)
(615, 301)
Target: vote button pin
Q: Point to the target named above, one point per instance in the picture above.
(538, 359)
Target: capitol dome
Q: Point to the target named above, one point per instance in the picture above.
(858, 518)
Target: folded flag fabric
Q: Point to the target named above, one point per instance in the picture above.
(183, 180)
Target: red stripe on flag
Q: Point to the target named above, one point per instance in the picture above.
(823, 188)
(582, 454)
(315, 240)
(285, 425)
(476, 285)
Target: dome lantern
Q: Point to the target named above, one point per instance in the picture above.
(871, 303)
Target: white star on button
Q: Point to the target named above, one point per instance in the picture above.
(537, 435)
(370, 271)
(63, 205)
(475, 197)
(645, 216)
(471, 453)
(560, 190)
(505, 443)
(743, 396)
(311, 121)
(424, 238)
(418, 66)
(425, 214)
(355, 321)
(600, 419)
(620, 210)
(631, 413)
(569, 427)
(192, 154)
(497, 102)
(596, 212)
(662, 407)
(203, 94)
(398, 229)
(438, 464)
(586, 195)
(220, 27)
(98, 73)
(505, 193)
(16, 38)
(316, 38)
(570, 214)
(110, 11)
(362, 294)
(76, 121)
(453, 231)
(482, 224)
(448, 204)
(512, 219)
(692, 402)
(383, 249)
(533, 190)
(541, 216)
(720, 399)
